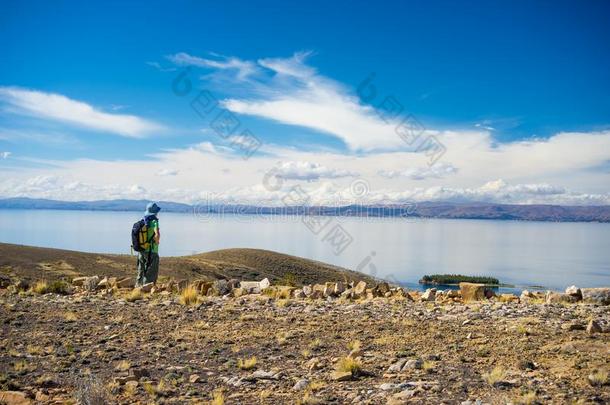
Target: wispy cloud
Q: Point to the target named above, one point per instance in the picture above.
(242, 68)
(5, 155)
(57, 107)
(437, 171)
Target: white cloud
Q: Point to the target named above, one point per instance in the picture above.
(5, 155)
(309, 171)
(167, 172)
(437, 171)
(57, 107)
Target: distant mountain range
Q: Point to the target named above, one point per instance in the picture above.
(553, 213)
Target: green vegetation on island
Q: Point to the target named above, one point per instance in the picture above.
(454, 279)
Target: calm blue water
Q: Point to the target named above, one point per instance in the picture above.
(553, 255)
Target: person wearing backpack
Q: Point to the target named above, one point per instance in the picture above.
(145, 237)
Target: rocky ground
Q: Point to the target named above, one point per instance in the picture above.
(120, 346)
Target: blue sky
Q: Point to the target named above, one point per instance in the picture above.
(518, 84)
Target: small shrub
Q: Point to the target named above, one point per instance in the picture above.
(281, 303)
(59, 287)
(289, 279)
(23, 367)
(495, 376)
(247, 364)
(189, 295)
(349, 365)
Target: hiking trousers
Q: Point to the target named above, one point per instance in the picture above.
(148, 268)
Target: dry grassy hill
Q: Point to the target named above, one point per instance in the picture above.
(35, 263)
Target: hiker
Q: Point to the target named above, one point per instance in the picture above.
(148, 254)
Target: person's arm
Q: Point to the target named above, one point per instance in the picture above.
(157, 233)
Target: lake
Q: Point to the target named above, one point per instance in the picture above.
(549, 254)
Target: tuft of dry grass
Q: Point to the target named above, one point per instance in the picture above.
(598, 378)
(134, 295)
(349, 365)
(428, 366)
(495, 376)
(70, 317)
(528, 398)
(247, 364)
(354, 345)
(315, 344)
(218, 397)
(123, 365)
(189, 295)
(23, 367)
(281, 303)
(41, 287)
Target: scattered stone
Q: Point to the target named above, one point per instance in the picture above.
(429, 294)
(360, 289)
(264, 283)
(593, 327)
(194, 378)
(301, 384)
(263, 375)
(559, 298)
(396, 367)
(14, 398)
(221, 287)
(125, 283)
(413, 364)
(146, 288)
(574, 291)
(341, 376)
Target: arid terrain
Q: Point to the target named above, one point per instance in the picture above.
(349, 341)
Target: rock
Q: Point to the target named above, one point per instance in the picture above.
(339, 288)
(599, 295)
(131, 385)
(329, 289)
(238, 292)
(574, 291)
(299, 294)
(79, 281)
(559, 298)
(413, 364)
(14, 398)
(314, 364)
(221, 287)
(139, 373)
(103, 284)
(360, 289)
(508, 298)
(593, 327)
(22, 285)
(263, 375)
(125, 283)
(250, 287)
(234, 283)
(307, 290)
(341, 376)
(301, 384)
(5, 281)
(396, 367)
(472, 291)
(429, 294)
(381, 289)
(194, 378)
(265, 283)
(404, 395)
(527, 365)
(349, 293)
(146, 288)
